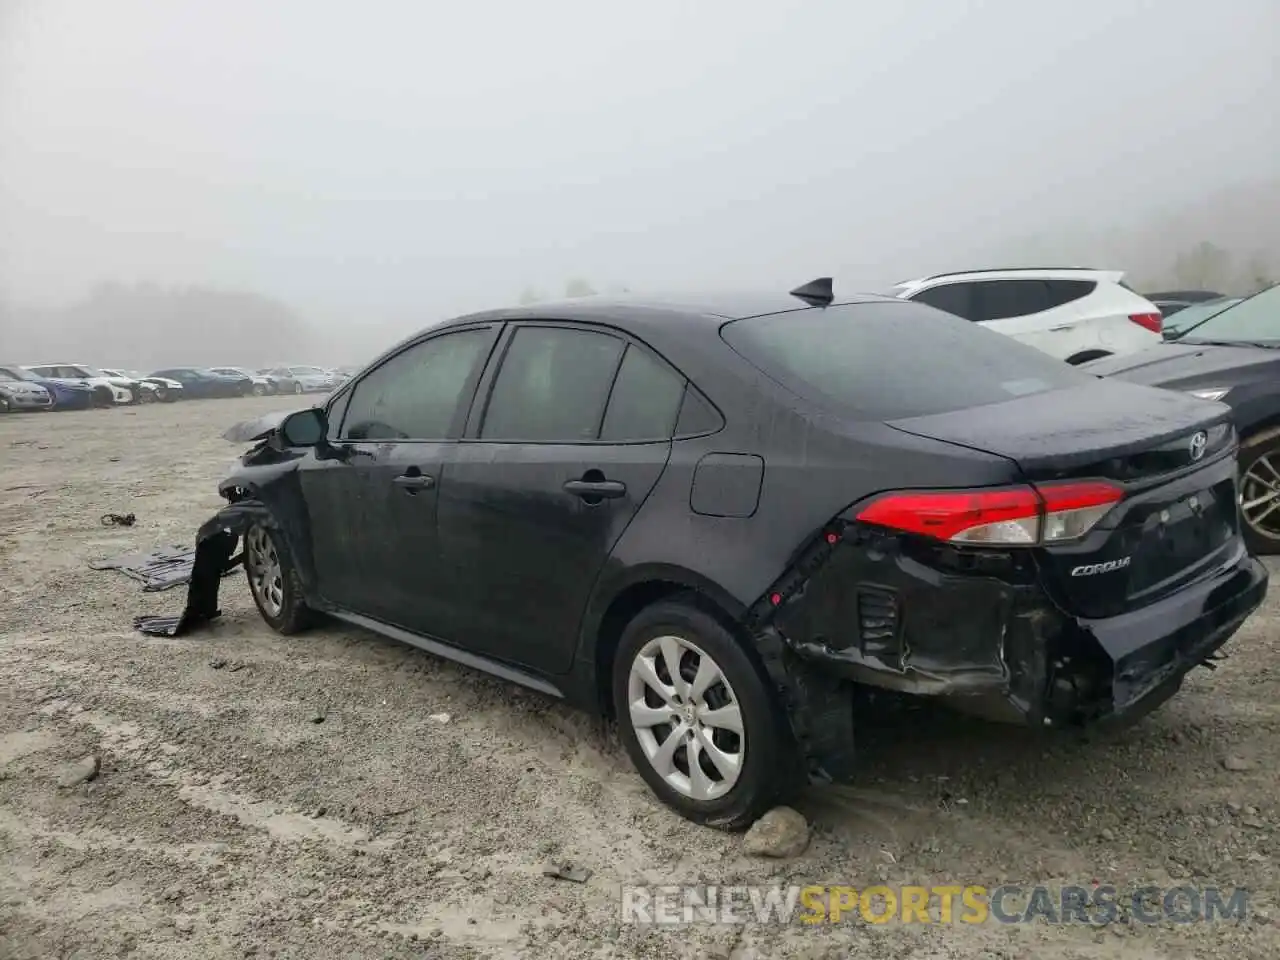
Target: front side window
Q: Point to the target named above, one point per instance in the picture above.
(415, 395)
(552, 386)
(953, 298)
(886, 360)
(1253, 320)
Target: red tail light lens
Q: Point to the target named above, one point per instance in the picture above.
(1152, 321)
(1011, 516)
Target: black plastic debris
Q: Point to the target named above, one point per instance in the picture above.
(120, 520)
(156, 570)
(215, 543)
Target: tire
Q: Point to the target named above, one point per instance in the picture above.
(259, 390)
(274, 582)
(162, 394)
(1259, 460)
(103, 398)
(762, 748)
(146, 396)
(297, 389)
(5, 406)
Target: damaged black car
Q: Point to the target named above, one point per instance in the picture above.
(711, 518)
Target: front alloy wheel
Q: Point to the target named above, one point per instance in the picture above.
(273, 581)
(1260, 494)
(297, 388)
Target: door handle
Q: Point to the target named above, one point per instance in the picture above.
(596, 489)
(413, 482)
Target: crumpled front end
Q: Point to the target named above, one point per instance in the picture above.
(975, 628)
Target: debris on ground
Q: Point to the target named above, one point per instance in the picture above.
(1237, 764)
(566, 871)
(156, 570)
(120, 520)
(217, 663)
(319, 715)
(440, 717)
(781, 833)
(81, 771)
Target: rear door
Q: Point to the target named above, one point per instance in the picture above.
(569, 434)
(373, 512)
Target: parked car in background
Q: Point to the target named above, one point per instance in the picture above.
(259, 385)
(306, 379)
(166, 390)
(1075, 314)
(1232, 356)
(1173, 301)
(62, 394)
(933, 508)
(1190, 315)
(199, 383)
(107, 391)
(144, 391)
(19, 392)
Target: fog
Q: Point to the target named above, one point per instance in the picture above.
(381, 165)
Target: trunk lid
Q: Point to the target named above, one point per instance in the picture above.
(1171, 453)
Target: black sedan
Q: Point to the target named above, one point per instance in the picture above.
(713, 517)
(201, 383)
(1233, 355)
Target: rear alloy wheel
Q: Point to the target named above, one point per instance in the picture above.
(697, 717)
(5, 406)
(1260, 494)
(273, 581)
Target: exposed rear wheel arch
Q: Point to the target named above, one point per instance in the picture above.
(1084, 356)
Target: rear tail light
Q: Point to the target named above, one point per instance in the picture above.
(1152, 321)
(1007, 517)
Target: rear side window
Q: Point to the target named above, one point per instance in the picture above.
(1062, 292)
(552, 386)
(954, 298)
(1001, 299)
(886, 360)
(645, 399)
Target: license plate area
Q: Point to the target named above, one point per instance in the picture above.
(1180, 536)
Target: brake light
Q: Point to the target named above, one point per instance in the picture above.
(1009, 517)
(1152, 321)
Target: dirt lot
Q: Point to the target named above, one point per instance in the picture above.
(226, 822)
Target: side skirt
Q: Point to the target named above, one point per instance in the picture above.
(473, 660)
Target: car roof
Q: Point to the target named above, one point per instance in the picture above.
(1018, 273)
(675, 313)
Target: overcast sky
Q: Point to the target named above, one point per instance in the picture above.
(387, 157)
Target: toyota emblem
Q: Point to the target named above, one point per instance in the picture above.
(1198, 442)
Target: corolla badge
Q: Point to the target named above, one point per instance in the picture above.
(1090, 569)
(1198, 443)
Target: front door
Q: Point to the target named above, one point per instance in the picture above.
(574, 436)
(373, 512)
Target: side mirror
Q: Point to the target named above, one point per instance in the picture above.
(305, 428)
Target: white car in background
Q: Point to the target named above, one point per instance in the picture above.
(311, 379)
(148, 389)
(84, 374)
(1073, 313)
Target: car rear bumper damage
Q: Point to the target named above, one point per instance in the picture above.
(980, 633)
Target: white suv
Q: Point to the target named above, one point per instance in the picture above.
(1075, 314)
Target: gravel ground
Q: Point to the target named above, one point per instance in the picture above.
(225, 821)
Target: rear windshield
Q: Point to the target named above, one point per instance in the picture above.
(885, 361)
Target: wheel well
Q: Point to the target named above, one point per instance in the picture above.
(624, 608)
(1261, 432)
(1086, 355)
